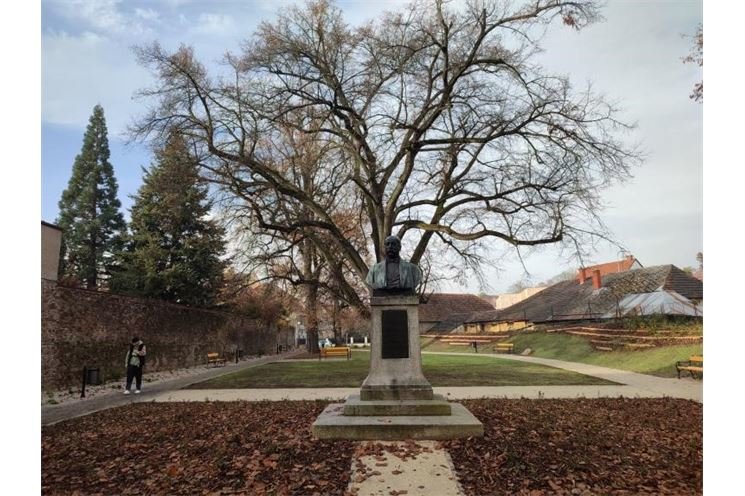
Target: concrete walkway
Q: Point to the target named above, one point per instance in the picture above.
(51, 414)
(413, 468)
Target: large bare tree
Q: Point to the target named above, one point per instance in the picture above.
(448, 132)
(285, 245)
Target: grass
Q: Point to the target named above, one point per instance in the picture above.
(440, 371)
(658, 361)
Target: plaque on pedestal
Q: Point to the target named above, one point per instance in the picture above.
(395, 334)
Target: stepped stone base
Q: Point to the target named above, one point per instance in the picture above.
(354, 406)
(333, 424)
(396, 392)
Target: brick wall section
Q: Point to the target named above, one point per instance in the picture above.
(88, 328)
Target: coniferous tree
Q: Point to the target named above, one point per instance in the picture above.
(89, 211)
(173, 250)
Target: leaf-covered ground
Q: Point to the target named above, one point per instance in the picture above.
(583, 447)
(531, 447)
(195, 448)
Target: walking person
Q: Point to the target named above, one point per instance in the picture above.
(135, 361)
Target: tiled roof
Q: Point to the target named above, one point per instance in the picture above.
(569, 299)
(441, 306)
(485, 316)
(450, 323)
(685, 284)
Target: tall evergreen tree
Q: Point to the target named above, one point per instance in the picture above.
(89, 210)
(173, 250)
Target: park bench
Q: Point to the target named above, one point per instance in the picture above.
(694, 365)
(504, 347)
(336, 351)
(215, 358)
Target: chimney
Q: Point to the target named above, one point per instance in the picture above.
(596, 282)
(581, 275)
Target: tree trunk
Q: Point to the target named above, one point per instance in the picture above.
(311, 344)
(338, 331)
(311, 318)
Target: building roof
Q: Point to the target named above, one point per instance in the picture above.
(443, 306)
(610, 267)
(661, 301)
(451, 322)
(53, 226)
(569, 300)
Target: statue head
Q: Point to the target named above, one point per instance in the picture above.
(392, 247)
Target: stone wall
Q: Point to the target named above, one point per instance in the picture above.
(88, 328)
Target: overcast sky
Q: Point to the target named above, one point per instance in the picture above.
(633, 57)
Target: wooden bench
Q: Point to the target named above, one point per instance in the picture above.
(694, 365)
(504, 347)
(336, 351)
(215, 358)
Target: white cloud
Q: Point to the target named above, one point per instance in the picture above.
(98, 14)
(147, 14)
(216, 24)
(106, 16)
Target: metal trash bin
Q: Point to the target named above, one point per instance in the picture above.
(93, 376)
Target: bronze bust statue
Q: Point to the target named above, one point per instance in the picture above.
(393, 275)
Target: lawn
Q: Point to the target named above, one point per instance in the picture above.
(558, 447)
(440, 371)
(658, 361)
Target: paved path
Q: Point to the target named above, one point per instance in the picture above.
(51, 414)
(413, 468)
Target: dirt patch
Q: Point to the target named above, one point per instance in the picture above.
(195, 448)
(583, 447)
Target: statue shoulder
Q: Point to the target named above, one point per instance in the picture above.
(409, 264)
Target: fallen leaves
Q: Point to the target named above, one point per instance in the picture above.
(576, 447)
(262, 448)
(582, 447)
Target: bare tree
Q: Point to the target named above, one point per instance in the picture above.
(696, 56)
(450, 136)
(290, 247)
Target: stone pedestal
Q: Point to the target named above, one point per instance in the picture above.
(396, 401)
(395, 355)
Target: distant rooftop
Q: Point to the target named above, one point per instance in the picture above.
(628, 263)
(443, 306)
(569, 299)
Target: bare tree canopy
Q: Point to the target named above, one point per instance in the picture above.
(444, 130)
(696, 56)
